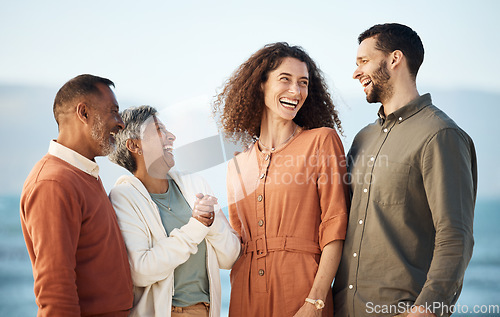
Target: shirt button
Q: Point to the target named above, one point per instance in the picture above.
(259, 198)
(267, 157)
(262, 175)
(365, 190)
(360, 221)
(385, 130)
(372, 158)
(261, 272)
(261, 223)
(400, 118)
(354, 254)
(351, 287)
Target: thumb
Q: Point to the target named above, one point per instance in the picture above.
(199, 195)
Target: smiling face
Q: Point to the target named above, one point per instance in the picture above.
(157, 146)
(286, 89)
(372, 72)
(105, 121)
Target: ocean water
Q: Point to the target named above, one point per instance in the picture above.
(481, 285)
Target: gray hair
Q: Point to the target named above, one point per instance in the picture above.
(133, 118)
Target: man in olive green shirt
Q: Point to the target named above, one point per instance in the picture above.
(413, 181)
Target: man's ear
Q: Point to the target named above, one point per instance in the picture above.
(396, 58)
(82, 112)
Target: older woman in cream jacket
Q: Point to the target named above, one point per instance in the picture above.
(176, 235)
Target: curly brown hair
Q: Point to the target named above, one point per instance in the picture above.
(241, 103)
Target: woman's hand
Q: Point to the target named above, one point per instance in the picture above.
(203, 210)
(308, 310)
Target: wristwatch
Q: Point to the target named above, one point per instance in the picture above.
(318, 303)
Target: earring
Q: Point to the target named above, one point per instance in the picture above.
(140, 152)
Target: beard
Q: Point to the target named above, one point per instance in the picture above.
(381, 89)
(102, 139)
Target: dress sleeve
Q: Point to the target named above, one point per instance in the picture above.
(332, 190)
(53, 223)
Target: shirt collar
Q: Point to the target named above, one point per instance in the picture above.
(406, 111)
(71, 157)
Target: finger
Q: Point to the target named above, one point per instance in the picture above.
(201, 208)
(210, 199)
(207, 215)
(204, 221)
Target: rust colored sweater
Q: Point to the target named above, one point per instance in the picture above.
(79, 259)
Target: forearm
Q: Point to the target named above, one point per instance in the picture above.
(225, 241)
(328, 265)
(152, 264)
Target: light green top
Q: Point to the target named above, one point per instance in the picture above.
(190, 278)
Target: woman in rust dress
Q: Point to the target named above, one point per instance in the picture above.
(287, 191)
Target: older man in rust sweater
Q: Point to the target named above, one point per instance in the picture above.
(79, 259)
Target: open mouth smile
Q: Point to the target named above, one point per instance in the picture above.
(289, 103)
(365, 83)
(168, 148)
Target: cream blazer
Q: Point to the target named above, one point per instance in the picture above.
(153, 255)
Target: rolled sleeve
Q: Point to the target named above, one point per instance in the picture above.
(332, 191)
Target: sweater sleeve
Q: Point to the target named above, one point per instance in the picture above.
(151, 258)
(52, 219)
(223, 238)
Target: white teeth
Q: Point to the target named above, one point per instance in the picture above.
(365, 82)
(168, 148)
(289, 102)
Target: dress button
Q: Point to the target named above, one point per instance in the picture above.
(400, 118)
(261, 272)
(365, 190)
(261, 223)
(372, 159)
(259, 198)
(360, 221)
(354, 254)
(385, 130)
(351, 287)
(267, 157)
(262, 175)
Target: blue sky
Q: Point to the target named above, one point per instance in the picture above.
(175, 55)
(166, 52)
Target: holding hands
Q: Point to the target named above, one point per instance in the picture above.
(203, 210)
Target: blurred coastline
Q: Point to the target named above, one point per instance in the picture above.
(481, 286)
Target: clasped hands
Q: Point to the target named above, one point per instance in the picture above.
(203, 209)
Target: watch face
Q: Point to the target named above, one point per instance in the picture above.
(319, 304)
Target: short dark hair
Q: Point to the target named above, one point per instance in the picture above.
(80, 86)
(133, 118)
(395, 36)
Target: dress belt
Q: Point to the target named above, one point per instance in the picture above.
(262, 245)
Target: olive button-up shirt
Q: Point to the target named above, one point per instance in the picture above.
(409, 237)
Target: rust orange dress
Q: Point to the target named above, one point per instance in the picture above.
(286, 205)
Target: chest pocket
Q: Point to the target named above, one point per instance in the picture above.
(390, 182)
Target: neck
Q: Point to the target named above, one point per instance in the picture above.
(401, 97)
(74, 140)
(153, 185)
(273, 132)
